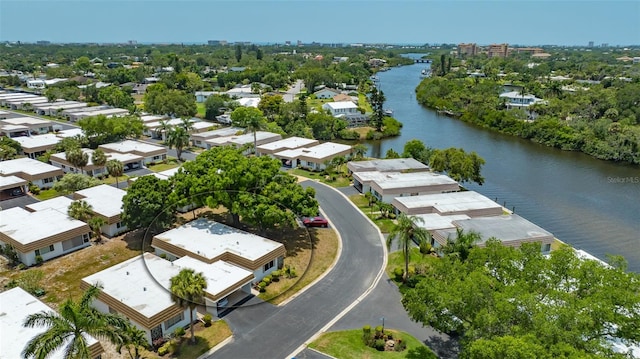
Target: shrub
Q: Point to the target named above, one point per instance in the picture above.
(179, 331)
(398, 273)
(207, 320)
(262, 287)
(275, 275)
(163, 256)
(379, 330)
(21, 266)
(400, 345)
(159, 342)
(374, 135)
(39, 259)
(348, 134)
(425, 247)
(379, 344)
(266, 280)
(162, 351)
(412, 271)
(34, 189)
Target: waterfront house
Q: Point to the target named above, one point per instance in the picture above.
(343, 108)
(469, 203)
(387, 165)
(290, 143)
(326, 93)
(386, 186)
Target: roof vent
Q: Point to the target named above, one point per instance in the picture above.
(238, 243)
(144, 289)
(127, 272)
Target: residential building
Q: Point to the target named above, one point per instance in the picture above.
(202, 96)
(34, 146)
(239, 141)
(26, 103)
(385, 186)
(43, 234)
(106, 202)
(199, 139)
(433, 221)
(469, 203)
(341, 97)
(341, 108)
(129, 160)
(17, 304)
(498, 50)
(515, 99)
(108, 112)
(12, 186)
(54, 108)
(36, 126)
(512, 230)
(150, 153)
(326, 93)
(470, 49)
(60, 204)
(313, 158)
(249, 101)
(290, 143)
(13, 131)
(137, 289)
(387, 165)
(210, 241)
(38, 173)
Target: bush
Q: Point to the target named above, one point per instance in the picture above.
(179, 331)
(379, 344)
(162, 351)
(34, 189)
(39, 259)
(163, 256)
(374, 135)
(348, 134)
(425, 248)
(266, 280)
(262, 287)
(159, 342)
(398, 273)
(275, 275)
(400, 345)
(21, 266)
(207, 320)
(379, 330)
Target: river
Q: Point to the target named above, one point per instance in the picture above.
(591, 204)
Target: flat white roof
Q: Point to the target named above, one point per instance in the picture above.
(288, 143)
(415, 179)
(34, 99)
(222, 132)
(104, 199)
(249, 101)
(243, 139)
(70, 133)
(60, 204)
(26, 165)
(449, 202)
(340, 105)
(28, 142)
(387, 165)
(220, 275)
(14, 128)
(318, 152)
(26, 227)
(151, 118)
(505, 228)
(25, 121)
(434, 221)
(140, 283)
(171, 122)
(131, 146)
(10, 181)
(211, 239)
(60, 105)
(109, 111)
(201, 125)
(15, 305)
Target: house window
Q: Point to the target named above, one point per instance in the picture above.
(44, 250)
(173, 321)
(112, 311)
(47, 180)
(546, 247)
(119, 225)
(268, 266)
(85, 237)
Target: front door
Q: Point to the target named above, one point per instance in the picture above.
(156, 333)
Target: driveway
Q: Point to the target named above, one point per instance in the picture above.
(17, 202)
(291, 93)
(267, 331)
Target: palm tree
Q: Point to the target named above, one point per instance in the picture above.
(406, 230)
(77, 158)
(99, 158)
(133, 337)
(187, 290)
(115, 169)
(187, 124)
(96, 223)
(178, 137)
(71, 328)
(80, 210)
(163, 128)
(360, 150)
(252, 119)
(462, 245)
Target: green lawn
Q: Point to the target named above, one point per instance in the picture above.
(46, 194)
(201, 109)
(164, 166)
(364, 103)
(348, 344)
(340, 181)
(416, 259)
(112, 180)
(385, 224)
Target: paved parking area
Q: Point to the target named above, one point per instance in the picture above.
(18, 202)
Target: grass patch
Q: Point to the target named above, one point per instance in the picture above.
(46, 194)
(348, 344)
(317, 103)
(112, 180)
(206, 338)
(202, 110)
(340, 181)
(416, 259)
(364, 103)
(165, 165)
(385, 224)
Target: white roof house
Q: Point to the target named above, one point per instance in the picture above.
(105, 200)
(211, 241)
(60, 160)
(151, 153)
(199, 139)
(60, 204)
(222, 277)
(72, 132)
(39, 173)
(388, 165)
(314, 158)
(387, 185)
(262, 137)
(341, 108)
(290, 143)
(34, 124)
(33, 146)
(470, 203)
(249, 101)
(516, 100)
(434, 221)
(17, 305)
(55, 233)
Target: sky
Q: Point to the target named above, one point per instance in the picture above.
(543, 22)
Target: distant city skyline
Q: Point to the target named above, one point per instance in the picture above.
(544, 22)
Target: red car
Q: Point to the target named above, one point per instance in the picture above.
(315, 222)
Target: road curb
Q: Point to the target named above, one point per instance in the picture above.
(216, 348)
(362, 296)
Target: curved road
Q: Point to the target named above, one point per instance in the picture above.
(266, 331)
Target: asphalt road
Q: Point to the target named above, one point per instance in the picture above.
(266, 331)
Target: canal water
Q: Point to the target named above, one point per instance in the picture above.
(591, 204)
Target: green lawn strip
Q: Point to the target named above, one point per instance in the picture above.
(340, 181)
(112, 180)
(201, 109)
(206, 338)
(416, 259)
(385, 224)
(348, 344)
(364, 103)
(46, 194)
(163, 166)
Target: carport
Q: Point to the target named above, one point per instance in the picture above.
(12, 186)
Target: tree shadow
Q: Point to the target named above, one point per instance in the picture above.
(445, 347)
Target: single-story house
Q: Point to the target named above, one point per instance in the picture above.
(313, 158)
(109, 112)
(60, 204)
(386, 186)
(341, 108)
(150, 153)
(130, 161)
(152, 118)
(238, 141)
(517, 100)
(25, 102)
(106, 202)
(34, 146)
(202, 96)
(199, 139)
(17, 304)
(13, 131)
(290, 143)
(13, 96)
(512, 230)
(470, 203)
(249, 101)
(210, 241)
(53, 109)
(341, 97)
(12, 186)
(45, 234)
(137, 289)
(326, 93)
(38, 173)
(72, 132)
(35, 125)
(387, 165)
(433, 221)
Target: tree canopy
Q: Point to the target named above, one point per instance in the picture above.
(148, 204)
(516, 303)
(172, 102)
(101, 129)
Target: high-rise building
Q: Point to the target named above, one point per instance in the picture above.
(590, 43)
(467, 49)
(497, 50)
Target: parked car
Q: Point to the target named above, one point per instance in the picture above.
(315, 222)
